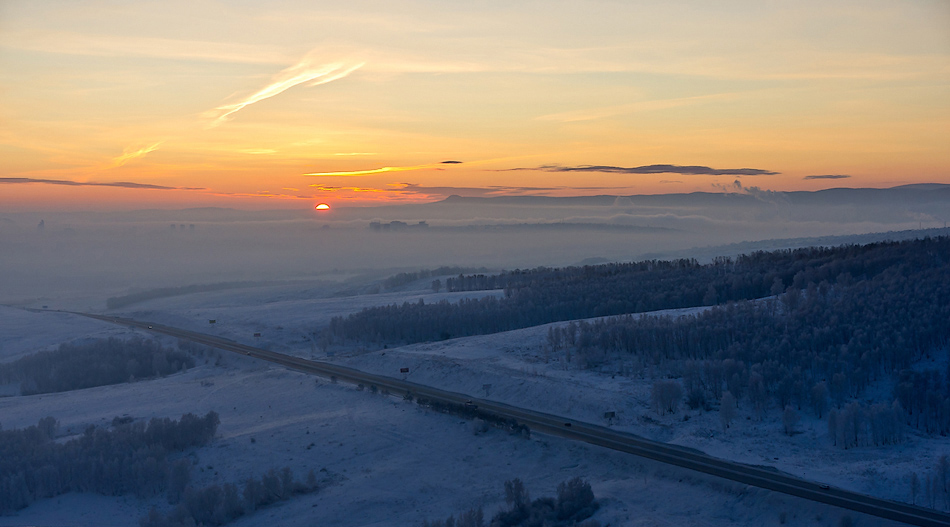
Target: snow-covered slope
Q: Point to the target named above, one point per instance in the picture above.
(388, 461)
(520, 371)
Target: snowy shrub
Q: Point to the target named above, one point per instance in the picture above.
(666, 395)
(575, 500)
(216, 505)
(479, 426)
(574, 503)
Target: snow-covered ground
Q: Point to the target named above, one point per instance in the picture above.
(522, 372)
(390, 462)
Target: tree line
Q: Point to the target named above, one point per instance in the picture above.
(217, 505)
(401, 279)
(74, 366)
(543, 295)
(810, 349)
(574, 503)
(837, 320)
(128, 458)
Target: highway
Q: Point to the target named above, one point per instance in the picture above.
(577, 430)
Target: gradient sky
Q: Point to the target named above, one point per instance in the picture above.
(287, 104)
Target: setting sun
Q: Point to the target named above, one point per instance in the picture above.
(322, 206)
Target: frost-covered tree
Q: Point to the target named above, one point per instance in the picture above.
(758, 395)
(833, 426)
(575, 500)
(819, 398)
(914, 487)
(253, 494)
(942, 479)
(727, 409)
(666, 395)
(178, 478)
(75, 366)
(128, 458)
(516, 495)
(790, 419)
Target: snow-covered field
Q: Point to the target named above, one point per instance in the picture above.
(390, 462)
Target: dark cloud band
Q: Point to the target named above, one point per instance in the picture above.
(656, 169)
(119, 184)
(828, 176)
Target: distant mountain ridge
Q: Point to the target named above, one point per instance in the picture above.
(925, 199)
(924, 191)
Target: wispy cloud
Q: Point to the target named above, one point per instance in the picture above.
(653, 169)
(382, 170)
(417, 191)
(330, 188)
(413, 188)
(828, 176)
(264, 194)
(258, 151)
(120, 184)
(304, 72)
(131, 153)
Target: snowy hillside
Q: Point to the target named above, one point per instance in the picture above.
(386, 461)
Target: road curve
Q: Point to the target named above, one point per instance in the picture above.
(578, 430)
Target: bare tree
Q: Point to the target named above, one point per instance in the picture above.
(666, 395)
(516, 495)
(942, 478)
(833, 426)
(757, 393)
(914, 487)
(819, 398)
(727, 409)
(790, 418)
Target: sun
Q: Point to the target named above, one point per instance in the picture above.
(322, 206)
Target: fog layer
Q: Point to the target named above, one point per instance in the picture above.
(80, 259)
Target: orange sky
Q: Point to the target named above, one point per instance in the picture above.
(181, 104)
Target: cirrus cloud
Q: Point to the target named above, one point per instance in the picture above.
(304, 72)
(381, 170)
(131, 153)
